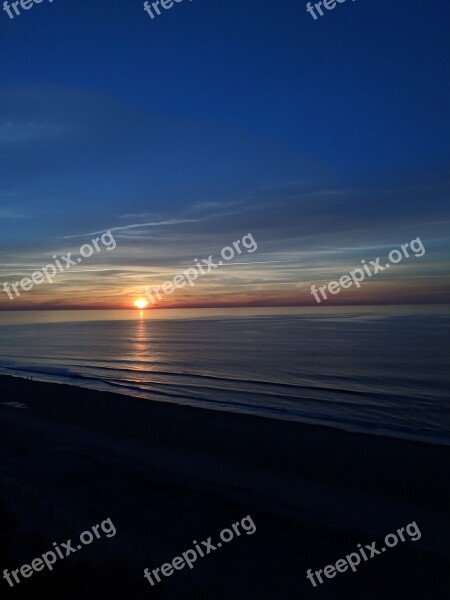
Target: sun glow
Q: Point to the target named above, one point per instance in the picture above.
(141, 303)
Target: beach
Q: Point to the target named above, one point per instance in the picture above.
(167, 475)
(224, 301)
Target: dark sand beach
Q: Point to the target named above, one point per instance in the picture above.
(167, 475)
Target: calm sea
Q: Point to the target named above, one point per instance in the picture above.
(377, 369)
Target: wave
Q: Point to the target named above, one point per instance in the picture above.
(251, 401)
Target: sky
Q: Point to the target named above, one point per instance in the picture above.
(327, 140)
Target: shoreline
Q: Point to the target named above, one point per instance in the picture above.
(377, 431)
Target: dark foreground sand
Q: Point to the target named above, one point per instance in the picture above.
(167, 475)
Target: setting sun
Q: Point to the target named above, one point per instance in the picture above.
(141, 303)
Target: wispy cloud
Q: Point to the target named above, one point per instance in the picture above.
(15, 131)
(135, 226)
(9, 213)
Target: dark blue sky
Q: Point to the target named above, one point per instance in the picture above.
(224, 115)
(333, 88)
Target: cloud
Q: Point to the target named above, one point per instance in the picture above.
(135, 226)
(9, 213)
(109, 167)
(13, 132)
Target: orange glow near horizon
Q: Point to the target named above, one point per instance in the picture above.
(141, 303)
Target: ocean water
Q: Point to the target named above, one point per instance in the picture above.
(375, 369)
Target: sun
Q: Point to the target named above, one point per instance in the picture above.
(141, 303)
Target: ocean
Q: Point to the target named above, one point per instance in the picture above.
(382, 370)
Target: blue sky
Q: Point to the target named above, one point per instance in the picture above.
(327, 139)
